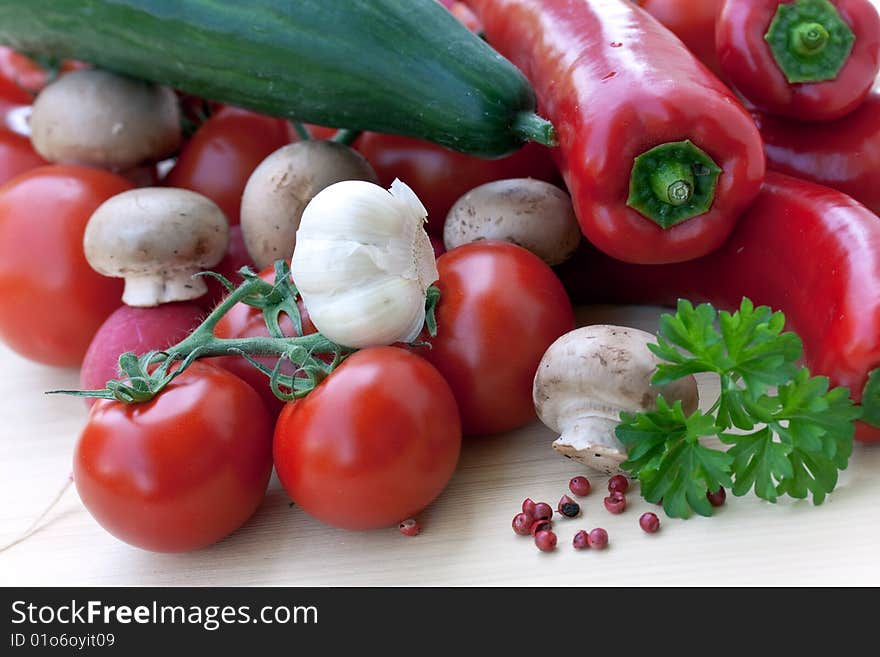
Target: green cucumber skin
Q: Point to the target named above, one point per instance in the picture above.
(398, 66)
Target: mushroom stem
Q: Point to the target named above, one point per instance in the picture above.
(591, 441)
(163, 287)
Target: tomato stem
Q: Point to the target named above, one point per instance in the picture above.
(809, 40)
(346, 137)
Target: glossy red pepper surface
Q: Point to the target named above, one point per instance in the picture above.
(807, 250)
(615, 83)
(748, 62)
(692, 21)
(843, 154)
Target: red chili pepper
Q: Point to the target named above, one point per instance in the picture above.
(843, 154)
(813, 60)
(807, 250)
(658, 155)
(691, 21)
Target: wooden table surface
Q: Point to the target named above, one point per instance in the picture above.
(466, 538)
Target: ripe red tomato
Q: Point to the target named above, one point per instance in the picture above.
(136, 330)
(181, 471)
(223, 154)
(440, 177)
(243, 321)
(500, 308)
(374, 444)
(51, 301)
(16, 156)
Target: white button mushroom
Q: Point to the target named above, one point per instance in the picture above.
(157, 238)
(534, 214)
(584, 381)
(282, 186)
(105, 120)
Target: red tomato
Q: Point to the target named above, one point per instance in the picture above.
(137, 330)
(440, 177)
(224, 152)
(500, 308)
(693, 22)
(243, 321)
(16, 156)
(51, 301)
(179, 472)
(28, 75)
(374, 444)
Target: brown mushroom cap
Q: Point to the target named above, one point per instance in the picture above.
(157, 238)
(282, 186)
(534, 214)
(101, 119)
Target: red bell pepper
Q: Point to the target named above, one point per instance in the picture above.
(843, 154)
(812, 60)
(807, 250)
(659, 156)
(692, 21)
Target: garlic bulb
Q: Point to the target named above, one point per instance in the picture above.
(363, 263)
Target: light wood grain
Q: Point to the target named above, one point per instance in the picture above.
(467, 538)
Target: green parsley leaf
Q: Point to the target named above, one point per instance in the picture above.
(871, 399)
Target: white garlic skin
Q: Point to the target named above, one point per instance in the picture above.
(363, 263)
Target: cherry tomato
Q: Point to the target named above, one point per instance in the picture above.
(51, 301)
(26, 74)
(224, 152)
(16, 155)
(440, 177)
(137, 330)
(181, 471)
(500, 308)
(372, 445)
(243, 321)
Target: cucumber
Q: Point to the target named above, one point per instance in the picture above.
(400, 66)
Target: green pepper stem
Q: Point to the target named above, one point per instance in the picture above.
(809, 38)
(673, 182)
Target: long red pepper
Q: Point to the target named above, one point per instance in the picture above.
(658, 155)
(843, 154)
(692, 21)
(807, 250)
(813, 60)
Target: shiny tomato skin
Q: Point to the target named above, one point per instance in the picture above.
(500, 308)
(374, 444)
(439, 176)
(51, 301)
(16, 155)
(224, 152)
(179, 472)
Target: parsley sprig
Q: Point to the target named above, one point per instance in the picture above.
(791, 442)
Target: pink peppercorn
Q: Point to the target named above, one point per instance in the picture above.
(581, 540)
(618, 484)
(540, 526)
(616, 502)
(522, 524)
(717, 498)
(528, 507)
(649, 522)
(409, 527)
(598, 539)
(543, 511)
(579, 486)
(568, 507)
(546, 541)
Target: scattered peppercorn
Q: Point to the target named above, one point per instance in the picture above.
(581, 540)
(616, 502)
(409, 527)
(543, 511)
(618, 484)
(546, 541)
(598, 539)
(540, 526)
(528, 507)
(649, 522)
(568, 507)
(717, 498)
(579, 486)
(522, 524)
